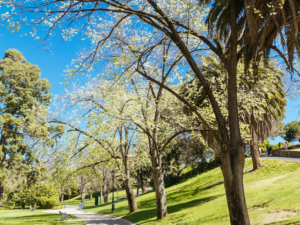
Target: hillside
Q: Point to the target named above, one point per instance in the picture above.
(272, 195)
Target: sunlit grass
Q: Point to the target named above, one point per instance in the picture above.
(37, 217)
(272, 195)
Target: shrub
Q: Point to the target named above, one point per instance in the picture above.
(52, 202)
(58, 207)
(9, 204)
(41, 202)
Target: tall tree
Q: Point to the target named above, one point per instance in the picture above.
(261, 105)
(24, 97)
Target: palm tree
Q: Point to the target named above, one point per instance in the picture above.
(260, 116)
(260, 22)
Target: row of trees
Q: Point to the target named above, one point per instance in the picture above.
(149, 47)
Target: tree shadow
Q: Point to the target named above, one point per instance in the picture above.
(146, 214)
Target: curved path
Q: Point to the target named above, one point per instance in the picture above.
(92, 218)
(280, 158)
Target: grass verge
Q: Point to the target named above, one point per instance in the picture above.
(37, 217)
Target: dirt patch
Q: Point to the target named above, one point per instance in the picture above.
(266, 182)
(271, 217)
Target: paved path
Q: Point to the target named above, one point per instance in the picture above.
(92, 218)
(280, 158)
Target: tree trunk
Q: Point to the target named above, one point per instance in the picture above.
(100, 193)
(105, 193)
(232, 168)
(91, 197)
(82, 196)
(82, 189)
(137, 190)
(1, 191)
(129, 192)
(161, 200)
(62, 198)
(69, 196)
(255, 156)
(142, 182)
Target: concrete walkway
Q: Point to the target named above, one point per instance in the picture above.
(280, 158)
(92, 218)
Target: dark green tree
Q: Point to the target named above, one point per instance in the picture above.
(291, 131)
(23, 100)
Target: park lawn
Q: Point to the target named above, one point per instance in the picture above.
(37, 217)
(297, 149)
(88, 203)
(272, 195)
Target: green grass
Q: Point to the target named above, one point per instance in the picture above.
(272, 195)
(89, 203)
(297, 149)
(37, 217)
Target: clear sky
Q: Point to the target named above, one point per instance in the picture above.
(53, 64)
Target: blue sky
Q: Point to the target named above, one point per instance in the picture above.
(53, 64)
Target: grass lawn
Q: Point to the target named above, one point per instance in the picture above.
(272, 195)
(297, 149)
(37, 217)
(89, 203)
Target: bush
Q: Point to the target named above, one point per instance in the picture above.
(8, 205)
(52, 202)
(41, 202)
(58, 207)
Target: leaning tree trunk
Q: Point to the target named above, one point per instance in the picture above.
(142, 182)
(159, 186)
(129, 192)
(255, 156)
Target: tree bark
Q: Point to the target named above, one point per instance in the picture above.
(130, 196)
(82, 191)
(137, 190)
(1, 191)
(142, 181)
(69, 196)
(91, 197)
(62, 198)
(105, 193)
(232, 168)
(82, 197)
(161, 200)
(100, 193)
(255, 156)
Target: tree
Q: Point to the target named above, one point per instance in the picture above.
(24, 97)
(261, 106)
(291, 131)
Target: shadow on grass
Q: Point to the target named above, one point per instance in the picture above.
(36, 219)
(150, 214)
(285, 222)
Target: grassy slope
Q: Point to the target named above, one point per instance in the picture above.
(272, 195)
(297, 149)
(26, 217)
(87, 202)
